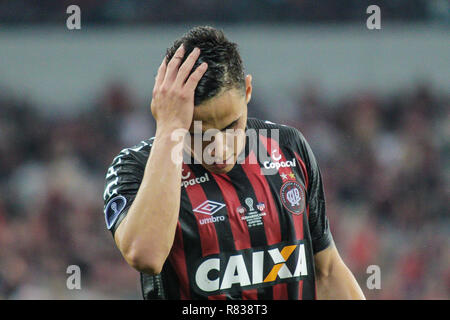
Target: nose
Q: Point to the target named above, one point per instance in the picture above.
(221, 150)
(218, 146)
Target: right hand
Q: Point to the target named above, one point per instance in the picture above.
(173, 96)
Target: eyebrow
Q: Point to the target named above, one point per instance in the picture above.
(227, 127)
(231, 124)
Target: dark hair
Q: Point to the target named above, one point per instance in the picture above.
(225, 68)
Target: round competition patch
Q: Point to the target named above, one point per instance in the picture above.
(113, 209)
(292, 196)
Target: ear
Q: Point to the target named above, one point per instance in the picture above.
(248, 88)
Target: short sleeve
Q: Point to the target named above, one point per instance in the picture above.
(318, 222)
(123, 179)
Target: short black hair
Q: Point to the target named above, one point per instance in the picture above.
(225, 68)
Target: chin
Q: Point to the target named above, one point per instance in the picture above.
(214, 169)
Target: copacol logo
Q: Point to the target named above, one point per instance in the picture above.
(275, 164)
(186, 182)
(248, 268)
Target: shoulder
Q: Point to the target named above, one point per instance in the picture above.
(288, 136)
(137, 154)
(127, 167)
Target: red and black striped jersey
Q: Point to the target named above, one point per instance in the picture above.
(248, 234)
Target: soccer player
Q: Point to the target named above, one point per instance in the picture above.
(250, 222)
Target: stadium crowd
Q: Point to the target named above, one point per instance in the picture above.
(383, 158)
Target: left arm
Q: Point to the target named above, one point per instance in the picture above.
(334, 280)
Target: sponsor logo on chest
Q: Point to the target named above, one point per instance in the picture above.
(251, 268)
(209, 208)
(275, 163)
(187, 180)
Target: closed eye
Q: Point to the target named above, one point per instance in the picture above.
(231, 125)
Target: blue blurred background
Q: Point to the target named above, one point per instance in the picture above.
(374, 105)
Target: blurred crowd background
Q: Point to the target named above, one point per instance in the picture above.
(383, 155)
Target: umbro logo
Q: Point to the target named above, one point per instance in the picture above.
(209, 208)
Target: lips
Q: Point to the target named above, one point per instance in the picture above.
(219, 165)
(222, 164)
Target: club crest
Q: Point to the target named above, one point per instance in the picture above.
(292, 196)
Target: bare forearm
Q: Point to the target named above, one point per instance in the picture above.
(334, 280)
(338, 284)
(146, 235)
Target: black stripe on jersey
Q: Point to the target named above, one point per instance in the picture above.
(171, 283)
(191, 241)
(309, 285)
(257, 234)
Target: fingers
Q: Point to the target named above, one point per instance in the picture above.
(186, 67)
(170, 74)
(161, 73)
(195, 77)
(172, 66)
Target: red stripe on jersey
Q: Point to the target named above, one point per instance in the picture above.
(207, 232)
(300, 290)
(251, 294)
(218, 297)
(280, 291)
(274, 149)
(239, 227)
(305, 173)
(178, 259)
(303, 166)
(263, 194)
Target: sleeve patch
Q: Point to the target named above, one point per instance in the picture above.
(113, 210)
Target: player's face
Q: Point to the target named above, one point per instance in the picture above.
(223, 120)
